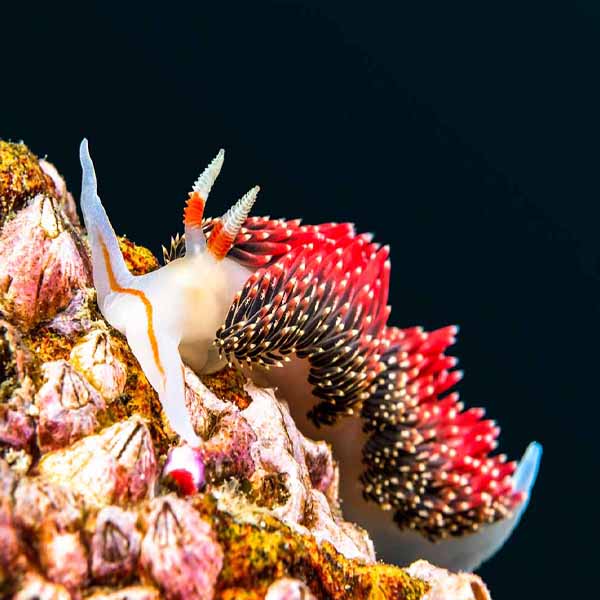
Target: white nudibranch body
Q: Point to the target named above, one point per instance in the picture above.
(175, 311)
(319, 293)
(196, 291)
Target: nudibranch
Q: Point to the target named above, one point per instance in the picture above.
(262, 293)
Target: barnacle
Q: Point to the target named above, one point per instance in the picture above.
(262, 293)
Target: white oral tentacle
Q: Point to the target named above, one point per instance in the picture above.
(100, 232)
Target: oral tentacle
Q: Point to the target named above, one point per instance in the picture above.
(108, 265)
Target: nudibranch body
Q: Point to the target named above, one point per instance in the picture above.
(170, 313)
(265, 292)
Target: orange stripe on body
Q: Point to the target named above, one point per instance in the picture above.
(115, 287)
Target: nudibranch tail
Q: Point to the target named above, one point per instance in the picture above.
(227, 228)
(194, 210)
(428, 458)
(468, 552)
(495, 535)
(108, 265)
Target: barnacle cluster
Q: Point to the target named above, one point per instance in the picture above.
(89, 506)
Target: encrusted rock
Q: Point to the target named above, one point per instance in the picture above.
(117, 465)
(449, 586)
(227, 436)
(8, 480)
(322, 470)
(19, 460)
(86, 469)
(16, 390)
(62, 194)
(262, 443)
(68, 406)
(42, 262)
(94, 357)
(130, 444)
(139, 260)
(35, 587)
(37, 501)
(14, 359)
(63, 556)
(203, 406)
(21, 178)
(287, 588)
(79, 315)
(16, 423)
(115, 544)
(227, 452)
(281, 448)
(11, 551)
(179, 551)
(134, 592)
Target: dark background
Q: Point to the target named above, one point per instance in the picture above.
(465, 134)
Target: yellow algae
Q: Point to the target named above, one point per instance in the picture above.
(139, 260)
(21, 177)
(228, 385)
(256, 555)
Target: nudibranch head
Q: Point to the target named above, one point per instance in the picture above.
(266, 292)
(174, 311)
